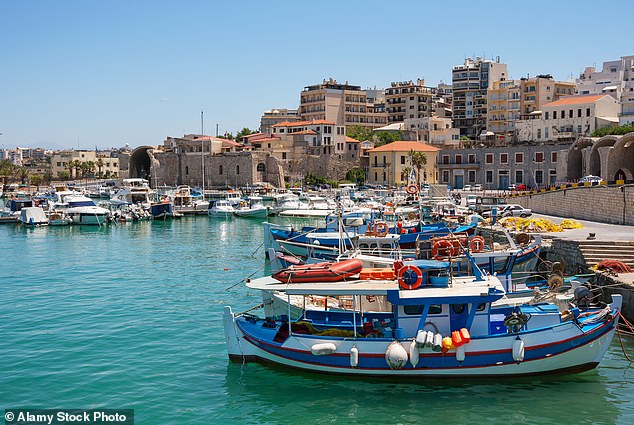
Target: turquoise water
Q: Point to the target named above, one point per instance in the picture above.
(129, 316)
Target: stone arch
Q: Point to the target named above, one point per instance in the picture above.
(141, 163)
(621, 160)
(595, 156)
(575, 166)
(261, 167)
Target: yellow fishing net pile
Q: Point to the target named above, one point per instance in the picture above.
(537, 225)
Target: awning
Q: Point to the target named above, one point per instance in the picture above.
(609, 88)
(535, 113)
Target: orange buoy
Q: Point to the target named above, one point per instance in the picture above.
(466, 337)
(443, 248)
(409, 277)
(381, 229)
(456, 338)
(476, 244)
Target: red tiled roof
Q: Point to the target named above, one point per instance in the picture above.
(229, 143)
(304, 132)
(405, 146)
(267, 139)
(576, 100)
(351, 140)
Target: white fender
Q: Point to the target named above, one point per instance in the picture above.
(429, 341)
(421, 337)
(354, 357)
(518, 350)
(413, 354)
(437, 347)
(460, 354)
(323, 349)
(396, 356)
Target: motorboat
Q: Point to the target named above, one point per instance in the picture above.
(33, 216)
(82, 210)
(220, 208)
(433, 327)
(58, 219)
(253, 207)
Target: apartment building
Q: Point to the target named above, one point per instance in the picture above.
(318, 137)
(503, 99)
(276, 116)
(616, 78)
(569, 118)
(436, 131)
(540, 90)
(343, 104)
(471, 82)
(408, 99)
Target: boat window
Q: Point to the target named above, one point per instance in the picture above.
(386, 246)
(482, 306)
(458, 308)
(417, 310)
(363, 246)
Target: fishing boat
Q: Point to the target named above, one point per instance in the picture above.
(253, 207)
(448, 327)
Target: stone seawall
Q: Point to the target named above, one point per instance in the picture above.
(603, 204)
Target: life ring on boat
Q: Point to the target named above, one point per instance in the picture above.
(381, 229)
(411, 189)
(370, 298)
(443, 248)
(409, 277)
(476, 244)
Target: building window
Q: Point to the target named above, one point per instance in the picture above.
(472, 176)
(539, 133)
(376, 176)
(553, 157)
(578, 113)
(587, 112)
(519, 158)
(554, 115)
(186, 170)
(376, 161)
(458, 159)
(489, 158)
(504, 158)
(402, 159)
(445, 159)
(260, 167)
(519, 176)
(472, 158)
(539, 156)
(445, 176)
(220, 170)
(237, 169)
(552, 176)
(283, 156)
(546, 115)
(539, 177)
(489, 176)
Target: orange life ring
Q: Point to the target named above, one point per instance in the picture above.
(381, 229)
(476, 244)
(411, 189)
(409, 277)
(443, 248)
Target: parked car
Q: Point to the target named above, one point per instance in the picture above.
(510, 210)
(477, 187)
(467, 188)
(590, 179)
(518, 186)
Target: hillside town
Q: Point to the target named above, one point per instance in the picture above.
(482, 129)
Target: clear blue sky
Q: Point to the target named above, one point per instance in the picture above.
(80, 74)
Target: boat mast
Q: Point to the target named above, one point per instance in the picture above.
(202, 148)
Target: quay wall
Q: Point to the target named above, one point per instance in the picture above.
(614, 205)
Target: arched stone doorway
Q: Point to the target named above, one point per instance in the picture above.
(141, 164)
(575, 164)
(621, 160)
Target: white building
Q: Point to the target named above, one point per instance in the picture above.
(436, 131)
(616, 79)
(569, 118)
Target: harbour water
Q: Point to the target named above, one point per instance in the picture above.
(129, 316)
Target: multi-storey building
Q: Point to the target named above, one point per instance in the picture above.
(498, 167)
(616, 79)
(343, 104)
(569, 118)
(436, 131)
(540, 90)
(276, 116)
(471, 82)
(503, 99)
(388, 162)
(104, 164)
(319, 137)
(408, 99)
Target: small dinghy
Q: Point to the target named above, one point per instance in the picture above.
(320, 272)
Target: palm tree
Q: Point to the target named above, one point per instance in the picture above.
(23, 174)
(419, 160)
(407, 170)
(100, 164)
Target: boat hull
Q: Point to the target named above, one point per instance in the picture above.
(565, 348)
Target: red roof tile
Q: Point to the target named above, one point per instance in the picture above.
(303, 123)
(351, 140)
(576, 100)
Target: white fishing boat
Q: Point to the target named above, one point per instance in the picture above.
(432, 328)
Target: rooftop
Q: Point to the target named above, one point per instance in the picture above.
(405, 146)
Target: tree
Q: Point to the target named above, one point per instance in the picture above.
(63, 175)
(23, 174)
(385, 137)
(356, 175)
(36, 180)
(359, 132)
(7, 170)
(89, 168)
(418, 160)
(100, 164)
(244, 132)
(407, 170)
(624, 129)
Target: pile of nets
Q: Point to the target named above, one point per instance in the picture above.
(536, 225)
